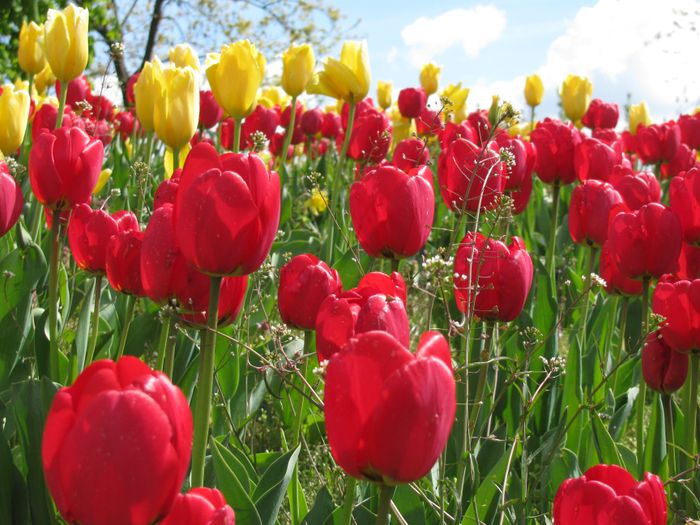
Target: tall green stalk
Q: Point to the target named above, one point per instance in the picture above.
(205, 384)
(237, 123)
(288, 135)
(385, 494)
(130, 307)
(94, 328)
(551, 245)
(642, 384)
(61, 104)
(53, 294)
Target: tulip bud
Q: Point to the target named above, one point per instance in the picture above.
(11, 199)
(116, 444)
(457, 95)
(31, 48)
(555, 143)
(664, 369)
(14, 113)
(429, 77)
(200, 506)
(637, 189)
(593, 159)
(176, 107)
(348, 78)
(183, 55)
(146, 88)
(411, 102)
(657, 142)
(123, 262)
(575, 96)
(678, 303)
(534, 90)
(638, 114)
(591, 205)
(388, 411)
(601, 115)
(384, 93)
(311, 122)
(685, 202)
(243, 62)
(209, 111)
(609, 494)
(410, 153)
(370, 138)
(690, 130)
(66, 41)
(298, 63)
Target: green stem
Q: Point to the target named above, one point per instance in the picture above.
(385, 494)
(642, 384)
(53, 294)
(483, 373)
(95, 322)
(288, 135)
(532, 118)
(169, 367)
(61, 104)
(395, 264)
(587, 300)
(205, 383)
(551, 245)
(667, 403)
(346, 141)
(176, 159)
(149, 151)
(623, 324)
(464, 444)
(130, 306)
(163, 343)
(349, 500)
(308, 338)
(691, 411)
(237, 123)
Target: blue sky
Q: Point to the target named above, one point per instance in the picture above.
(644, 48)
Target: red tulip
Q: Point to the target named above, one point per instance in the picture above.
(523, 159)
(305, 281)
(664, 369)
(679, 303)
(370, 137)
(45, 120)
(167, 190)
(521, 196)
(601, 115)
(130, 99)
(377, 303)
(411, 102)
(388, 411)
(429, 123)
(11, 199)
(637, 189)
(500, 274)
(117, 444)
(125, 122)
(609, 495)
(227, 211)
(684, 160)
(593, 159)
(657, 143)
(555, 143)
(64, 166)
(646, 242)
(685, 202)
(688, 263)
(616, 282)
(102, 108)
(410, 153)
(589, 211)
(209, 110)
(78, 91)
(192, 293)
(392, 211)
(311, 122)
(363, 106)
(479, 121)
(331, 127)
(690, 130)
(123, 262)
(89, 232)
(453, 131)
(609, 136)
(472, 173)
(200, 506)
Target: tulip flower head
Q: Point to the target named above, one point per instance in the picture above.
(200, 506)
(430, 77)
(347, 79)
(298, 63)
(176, 106)
(66, 41)
(31, 48)
(11, 199)
(14, 113)
(664, 369)
(575, 95)
(146, 88)
(457, 95)
(534, 90)
(638, 114)
(384, 94)
(183, 55)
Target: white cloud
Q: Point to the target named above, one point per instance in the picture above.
(391, 55)
(472, 28)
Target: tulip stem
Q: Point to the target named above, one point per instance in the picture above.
(490, 329)
(349, 500)
(61, 104)
(53, 294)
(667, 403)
(308, 337)
(205, 383)
(551, 245)
(237, 122)
(163, 340)
(641, 401)
(395, 264)
(691, 411)
(176, 159)
(288, 135)
(587, 300)
(532, 118)
(95, 322)
(385, 494)
(130, 306)
(346, 140)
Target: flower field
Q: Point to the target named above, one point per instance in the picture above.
(312, 302)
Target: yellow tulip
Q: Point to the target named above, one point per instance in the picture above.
(183, 55)
(235, 76)
(105, 174)
(66, 42)
(384, 92)
(298, 63)
(145, 91)
(44, 79)
(348, 78)
(401, 127)
(639, 114)
(318, 202)
(457, 96)
(429, 77)
(14, 113)
(176, 106)
(575, 96)
(534, 90)
(272, 96)
(31, 48)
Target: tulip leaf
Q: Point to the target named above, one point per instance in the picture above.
(83, 331)
(352, 265)
(485, 503)
(13, 496)
(655, 449)
(233, 480)
(321, 512)
(15, 332)
(603, 442)
(20, 271)
(272, 487)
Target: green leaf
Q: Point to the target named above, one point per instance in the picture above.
(20, 271)
(321, 512)
(604, 442)
(83, 332)
(352, 265)
(655, 447)
(233, 480)
(485, 503)
(272, 487)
